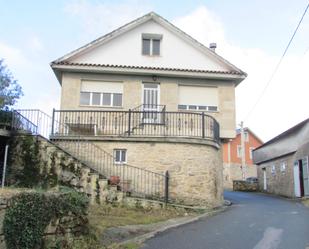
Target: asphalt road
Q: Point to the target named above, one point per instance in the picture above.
(254, 221)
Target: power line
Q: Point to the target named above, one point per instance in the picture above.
(277, 66)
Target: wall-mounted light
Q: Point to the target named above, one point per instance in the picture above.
(154, 77)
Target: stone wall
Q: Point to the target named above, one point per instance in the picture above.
(278, 182)
(195, 169)
(245, 186)
(233, 172)
(65, 228)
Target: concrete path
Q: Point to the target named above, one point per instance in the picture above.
(254, 221)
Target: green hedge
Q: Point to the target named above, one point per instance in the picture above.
(29, 214)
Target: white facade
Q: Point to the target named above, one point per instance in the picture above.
(126, 49)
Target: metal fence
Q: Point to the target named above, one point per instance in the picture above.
(134, 123)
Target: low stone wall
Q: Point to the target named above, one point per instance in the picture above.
(233, 172)
(245, 186)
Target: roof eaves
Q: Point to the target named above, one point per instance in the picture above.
(64, 63)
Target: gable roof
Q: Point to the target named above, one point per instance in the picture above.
(285, 143)
(56, 64)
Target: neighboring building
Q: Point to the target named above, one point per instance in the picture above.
(155, 98)
(232, 157)
(283, 162)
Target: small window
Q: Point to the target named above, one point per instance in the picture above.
(192, 107)
(212, 108)
(146, 47)
(96, 98)
(182, 107)
(202, 107)
(246, 135)
(273, 170)
(84, 98)
(117, 99)
(151, 44)
(155, 47)
(107, 99)
(120, 155)
(239, 152)
(283, 167)
(251, 152)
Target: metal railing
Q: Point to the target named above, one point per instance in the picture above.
(21, 123)
(137, 182)
(132, 180)
(135, 123)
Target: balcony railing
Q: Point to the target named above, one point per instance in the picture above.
(138, 123)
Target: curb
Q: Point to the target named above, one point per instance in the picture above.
(142, 238)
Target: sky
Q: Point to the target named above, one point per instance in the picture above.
(250, 34)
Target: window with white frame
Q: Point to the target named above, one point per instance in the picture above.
(251, 149)
(246, 136)
(99, 93)
(151, 44)
(198, 98)
(120, 155)
(283, 167)
(239, 151)
(273, 169)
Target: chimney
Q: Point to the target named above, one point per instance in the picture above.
(213, 46)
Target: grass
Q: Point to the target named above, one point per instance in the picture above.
(306, 202)
(103, 217)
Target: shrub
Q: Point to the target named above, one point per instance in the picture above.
(29, 214)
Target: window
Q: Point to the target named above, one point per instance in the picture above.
(198, 98)
(246, 136)
(239, 151)
(195, 107)
(251, 152)
(273, 170)
(84, 98)
(283, 167)
(117, 99)
(96, 98)
(96, 93)
(151, 44)
(120, 155)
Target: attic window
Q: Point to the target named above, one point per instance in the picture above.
(151, 44)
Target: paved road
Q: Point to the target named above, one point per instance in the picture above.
(254, 221)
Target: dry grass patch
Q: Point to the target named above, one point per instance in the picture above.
(103, 217)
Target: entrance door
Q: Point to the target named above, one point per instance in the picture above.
(305, 175)
(151, 100)
(296, 180)
(264, 179)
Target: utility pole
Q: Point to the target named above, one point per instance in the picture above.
(243, 151)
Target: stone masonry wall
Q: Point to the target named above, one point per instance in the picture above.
(280, 183)
(195, 169)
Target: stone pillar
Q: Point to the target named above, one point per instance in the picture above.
(84, 178)
(103, 191)
(94, 177)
